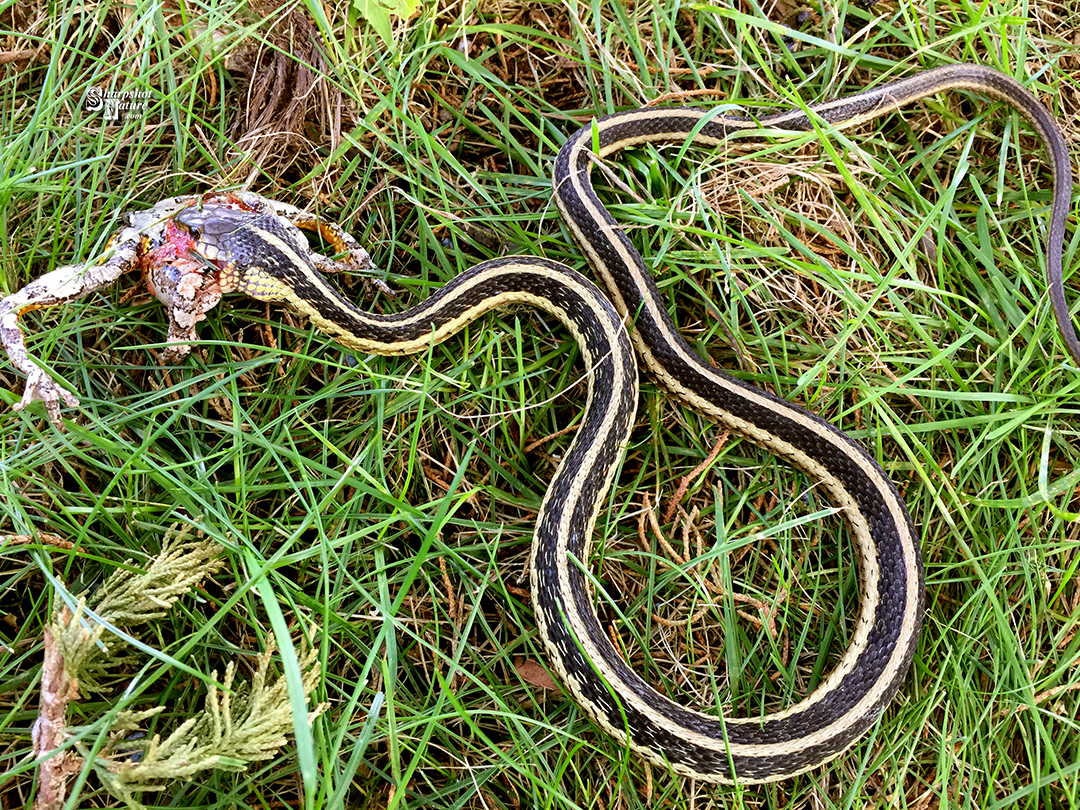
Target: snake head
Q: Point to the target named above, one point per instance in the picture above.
(211, 226)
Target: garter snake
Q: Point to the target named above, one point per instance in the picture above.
(257, 255)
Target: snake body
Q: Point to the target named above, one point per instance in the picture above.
(854, 694)
(252, 246)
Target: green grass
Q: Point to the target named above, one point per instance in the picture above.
(389, 502)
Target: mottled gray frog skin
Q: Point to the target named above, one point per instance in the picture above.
(184, 273)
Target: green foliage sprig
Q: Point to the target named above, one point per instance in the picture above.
(128, 598)
(242, 722)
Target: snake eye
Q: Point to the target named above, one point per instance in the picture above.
(182, 220)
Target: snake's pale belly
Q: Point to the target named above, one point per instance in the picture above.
(251, 243)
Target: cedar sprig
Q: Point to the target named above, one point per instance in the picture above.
(242, 724)
(126, 599)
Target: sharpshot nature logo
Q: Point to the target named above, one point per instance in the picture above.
(117, 105)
